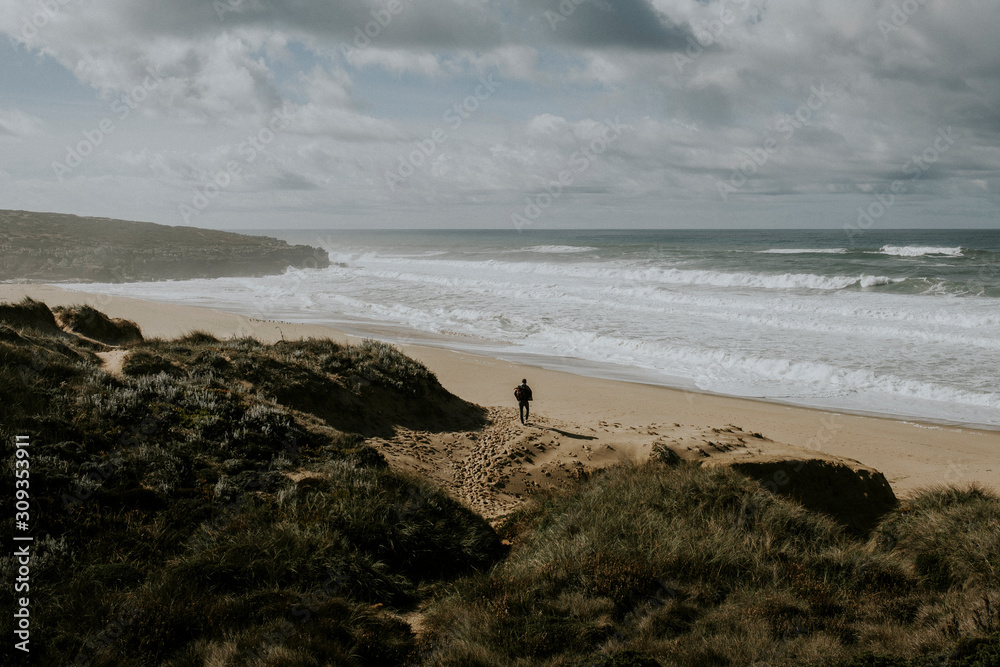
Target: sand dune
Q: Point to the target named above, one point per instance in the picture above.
(581, 424)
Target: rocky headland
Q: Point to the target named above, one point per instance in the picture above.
(55, 247)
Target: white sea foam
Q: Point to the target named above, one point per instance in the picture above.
(768, 375)
(611, 272)
(559, 249)
(924, 426)
(811, 315)
(820, 338)
(803, 251)
(919, 251)
(874, 281)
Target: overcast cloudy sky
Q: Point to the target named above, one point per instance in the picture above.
(467, 113)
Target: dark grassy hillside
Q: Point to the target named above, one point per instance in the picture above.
(189, 511)
(216, 504)
(680, 565)
(57, 247)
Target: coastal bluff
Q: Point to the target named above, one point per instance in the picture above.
(55, 247)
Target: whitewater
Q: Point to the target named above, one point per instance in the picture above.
(899, 323)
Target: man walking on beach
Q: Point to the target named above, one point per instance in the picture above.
(522, 393)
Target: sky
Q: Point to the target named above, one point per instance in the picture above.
(304, 114)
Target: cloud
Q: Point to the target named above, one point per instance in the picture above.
(599, 24)
(700, 84)
(398, 61)
(15, 123)
(331, 111)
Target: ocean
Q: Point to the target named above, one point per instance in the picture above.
(903, 323)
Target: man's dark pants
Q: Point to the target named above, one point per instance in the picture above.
(525, 408)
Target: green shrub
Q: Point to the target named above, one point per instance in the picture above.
(140, 362)
(198, 338)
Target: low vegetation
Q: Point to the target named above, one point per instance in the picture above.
(678, 565)
(92, 323)
(215, 504)
(190, 511)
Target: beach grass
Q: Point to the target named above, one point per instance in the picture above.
(689, 566)
(188, 509)
(214, 502)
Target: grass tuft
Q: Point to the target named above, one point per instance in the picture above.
(92, 323)
(28, 314)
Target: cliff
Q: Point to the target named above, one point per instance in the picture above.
(54, 247)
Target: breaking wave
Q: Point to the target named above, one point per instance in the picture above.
(919, 251)
(803, 251)
(559, 249)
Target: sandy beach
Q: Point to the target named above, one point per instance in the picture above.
(581, 423)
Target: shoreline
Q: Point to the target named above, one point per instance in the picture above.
(912, 453)
(402, 336)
